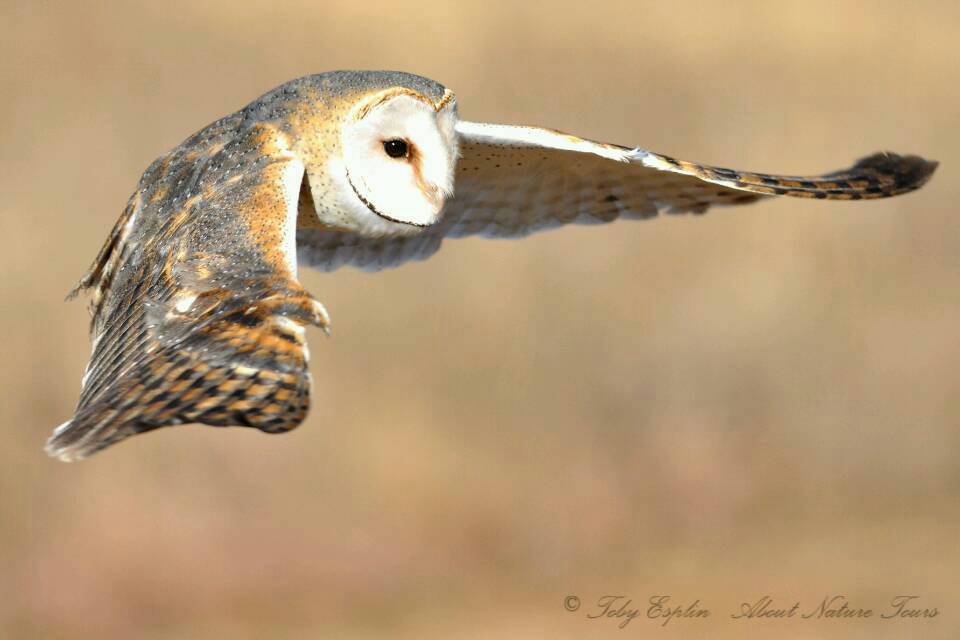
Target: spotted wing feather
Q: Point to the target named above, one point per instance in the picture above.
(513, 181)
(197, 315)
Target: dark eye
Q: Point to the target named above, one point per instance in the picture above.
(395, 148)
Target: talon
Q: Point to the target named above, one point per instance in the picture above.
(320, 316)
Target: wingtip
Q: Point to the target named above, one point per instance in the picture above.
(908, 171)
(929, 167)
(56, 448)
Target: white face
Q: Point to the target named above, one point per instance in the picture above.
(398, 160)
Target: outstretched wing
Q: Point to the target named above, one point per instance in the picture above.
(198, 316)
(512, 181)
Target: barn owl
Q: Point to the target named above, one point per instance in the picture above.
(197, 313)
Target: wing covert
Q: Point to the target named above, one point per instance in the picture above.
(197, 314)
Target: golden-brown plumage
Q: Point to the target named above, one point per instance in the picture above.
(197, 312)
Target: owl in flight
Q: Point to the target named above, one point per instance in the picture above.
(198, 316)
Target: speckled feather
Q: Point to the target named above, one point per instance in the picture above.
(197, 313)
(510, 184)
(207, 221)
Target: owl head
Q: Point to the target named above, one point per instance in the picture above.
(384, 151)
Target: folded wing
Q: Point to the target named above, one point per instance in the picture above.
(198, 316)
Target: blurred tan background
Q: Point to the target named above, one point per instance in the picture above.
(756, 402)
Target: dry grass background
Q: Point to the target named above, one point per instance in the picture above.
(760, 401)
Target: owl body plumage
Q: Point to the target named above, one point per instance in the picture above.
(197, 312)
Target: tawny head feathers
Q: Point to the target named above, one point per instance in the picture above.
(380, 151)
